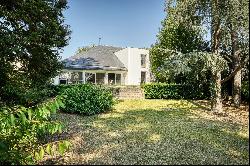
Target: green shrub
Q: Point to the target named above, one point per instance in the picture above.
(87, 99)
(59, 89)
(18, 95)
(26, 96)
(245, 90)
(174, 91)
(20, 128)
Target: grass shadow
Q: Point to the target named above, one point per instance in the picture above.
(206, 105)
(155, 132)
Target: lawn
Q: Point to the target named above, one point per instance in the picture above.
(157, 132)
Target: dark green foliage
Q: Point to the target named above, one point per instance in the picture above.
(245, 91)
(176, 37)
(19, 95)
(87, 99)
(59, 89)
(20, 128)
(32, 35)
(175, 91)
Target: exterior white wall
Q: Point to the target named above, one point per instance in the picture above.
(135, 69)
(122, 55)
(131, 58)
(147, 68)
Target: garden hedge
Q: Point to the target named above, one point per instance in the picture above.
(175, 91)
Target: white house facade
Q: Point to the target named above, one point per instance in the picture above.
(107, 65)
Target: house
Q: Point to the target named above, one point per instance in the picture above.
(107, 65)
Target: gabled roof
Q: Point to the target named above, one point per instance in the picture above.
(96, 58)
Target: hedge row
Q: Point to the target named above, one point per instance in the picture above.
(175, 91)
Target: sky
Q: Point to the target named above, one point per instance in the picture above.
(121, 23)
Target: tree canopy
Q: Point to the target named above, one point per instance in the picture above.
(32, 36)
(227, 21)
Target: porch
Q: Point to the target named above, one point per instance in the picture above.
(93, 76)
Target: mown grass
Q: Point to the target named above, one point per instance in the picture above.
(155, 132)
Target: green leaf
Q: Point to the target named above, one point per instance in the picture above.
(67, 144)
(56, 104)
(59, 128)
(37, 156)
(12, 119)
(48, 149)
(29, 160)
(53, 111)
(29, 114)
(61, 148)
(44, 112)
(41, 153)
(23, 117)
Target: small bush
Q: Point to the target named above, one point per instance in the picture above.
(174, 91)
(87, 99)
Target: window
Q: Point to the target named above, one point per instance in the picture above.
(111, 78)
(63, 81)
(143, 77)
(143, 60)
(74, 77)
(90, 78)
(114, 79)
(100, 78)
(80, 76)
(118, 79)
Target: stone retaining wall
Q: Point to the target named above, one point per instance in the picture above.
(128, 92)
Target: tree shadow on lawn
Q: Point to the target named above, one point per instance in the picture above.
(171, 135)
(203, 104)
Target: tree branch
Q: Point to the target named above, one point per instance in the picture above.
(227, 58)
(238, 68)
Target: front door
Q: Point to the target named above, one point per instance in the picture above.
(143, 77)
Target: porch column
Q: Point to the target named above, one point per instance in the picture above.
(83, 76)
(106, 78)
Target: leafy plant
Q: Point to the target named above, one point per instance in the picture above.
(20, 128)
(87, 99)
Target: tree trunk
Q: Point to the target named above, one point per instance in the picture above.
(237, 89)
(216, 92)
(215, 41)
(237, 77)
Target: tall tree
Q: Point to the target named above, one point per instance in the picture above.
(32, 35)
(213, 14)
(174, 36)
(238, 29)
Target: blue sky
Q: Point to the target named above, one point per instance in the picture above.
(124, 23)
